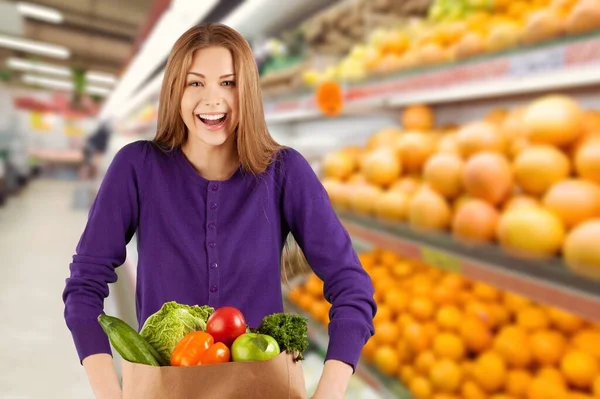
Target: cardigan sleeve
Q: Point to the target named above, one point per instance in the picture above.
(112, 221)
(327, 246)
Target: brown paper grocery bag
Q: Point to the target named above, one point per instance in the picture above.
(277, 378)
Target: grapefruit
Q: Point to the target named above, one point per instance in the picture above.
(475, 221)
(538, 167)
(581, 250)
(443, 173)
(553, 119)
(428, 210)
(418, 117)
(381, 167)
(478, 136)
(414, 148)
(488, 176)
(574, 201)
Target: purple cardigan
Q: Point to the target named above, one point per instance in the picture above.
(215, 243)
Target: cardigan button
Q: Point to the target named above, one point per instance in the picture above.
(213, 206)
(212, 226)
(214, 187)
(212, 244)
(214, 265)
(214, 288)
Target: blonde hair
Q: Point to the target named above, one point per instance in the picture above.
(255, 146)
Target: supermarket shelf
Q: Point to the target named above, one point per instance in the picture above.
(386, 387)
(566, 64)
(546, 281)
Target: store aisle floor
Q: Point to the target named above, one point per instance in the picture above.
(38, 233)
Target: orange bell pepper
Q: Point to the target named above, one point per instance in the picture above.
(190, 349)
(217, 353)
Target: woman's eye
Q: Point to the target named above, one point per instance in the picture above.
(228, 83)
(195, 84)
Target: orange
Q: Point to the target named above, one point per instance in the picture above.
(449, 317)
(388, 258)
(404, 351)
(407, 374)
(431, 329)
(517, 382)
(422, 308)
(596, 387)
(369, 349)
(482, 312)
(580, 369)
(416, 338)
(444, 295)
(476, 335)
(305, 301)
(444, 396)
(470, 390)
(396, 300)
(421, 388)
(542, 389)
(367, 259)
(445, 376)
(551, 374)
(447, 345)
(422, 287)
(319, 310)
(500, 315)
(587, 341)
(384, 314)
(514, 303)
(314, 286)
(533, 318)
(404, 320)
(513, 345)
(387, 333)
(454, 281)
(386, 359)
(402, 269)
(295, 295)
(486, 292)
(564, 321)
(490, 372)
(547, 347)
(424, 362)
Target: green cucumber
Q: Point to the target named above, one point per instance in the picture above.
(129, 343)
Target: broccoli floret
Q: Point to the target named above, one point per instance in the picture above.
(290, 331)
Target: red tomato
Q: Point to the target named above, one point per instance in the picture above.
(217, 353)
(226, 324)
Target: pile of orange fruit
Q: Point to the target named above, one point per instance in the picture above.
(527, 179)
(445, 337)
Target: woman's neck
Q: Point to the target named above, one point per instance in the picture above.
(212, 163)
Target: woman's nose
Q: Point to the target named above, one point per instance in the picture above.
(212, 97)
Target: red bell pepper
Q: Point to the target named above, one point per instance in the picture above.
(198, 348)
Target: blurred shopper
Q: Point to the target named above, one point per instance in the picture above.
(213, 198)
(94, 148)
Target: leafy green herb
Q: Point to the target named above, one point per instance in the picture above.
(290, 331)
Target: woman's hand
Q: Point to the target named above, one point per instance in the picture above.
(334, 380)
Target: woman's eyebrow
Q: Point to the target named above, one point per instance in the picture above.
(204, 77)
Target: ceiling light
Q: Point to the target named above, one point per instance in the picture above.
(40, 12)
(48, 82)
(101, 77)
(62, 84)
(40, 67)
(50, 50)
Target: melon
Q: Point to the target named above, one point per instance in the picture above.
(475, 221)
(531, 231)
(414, 148)
(382, 167)
(554, 119)
(392, 205)
(418, 117)
(443, 173)
(581, 250)
(476, 137)
(428, 210)
(574, 201)
(584, 17)
(587, 161)
(339, 165)
(364, 197)
(488, 176)
(538, 167)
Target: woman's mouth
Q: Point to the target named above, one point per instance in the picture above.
(213, 121)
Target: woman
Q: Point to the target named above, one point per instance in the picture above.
(212, 200)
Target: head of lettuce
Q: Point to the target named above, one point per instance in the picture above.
(165, 328)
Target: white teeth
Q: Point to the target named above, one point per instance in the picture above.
(211, 117)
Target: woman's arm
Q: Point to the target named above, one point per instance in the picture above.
(112, 221)
(312, 220)
(334, 380)
(102, 376)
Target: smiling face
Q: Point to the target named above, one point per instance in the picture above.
(209, 106)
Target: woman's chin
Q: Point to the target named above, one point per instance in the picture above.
(212, 138)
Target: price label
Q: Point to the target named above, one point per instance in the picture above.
(537, 61)
(440, 259)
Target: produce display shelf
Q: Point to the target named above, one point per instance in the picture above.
(386, 387)
(564, 64)
(547, 281)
